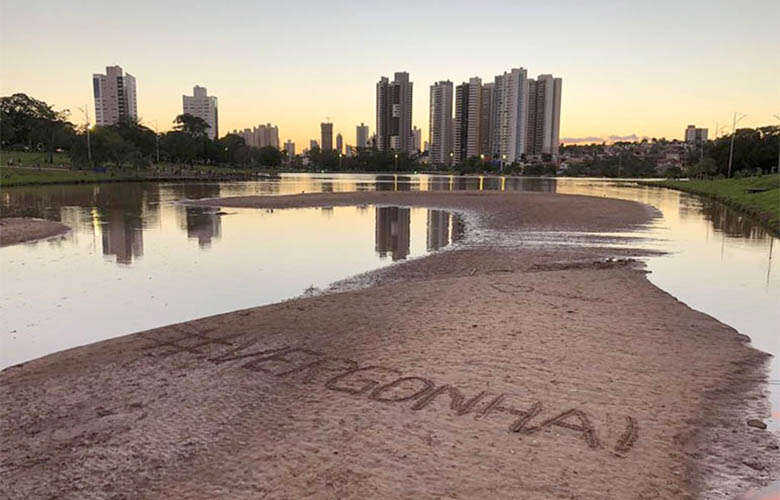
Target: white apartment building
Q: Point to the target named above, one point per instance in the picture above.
(115, 96)
(261, 136)
(203, 106)
(440, 123)
(289, 146)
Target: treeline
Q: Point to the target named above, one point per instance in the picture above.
(755, 152)
(32, 125)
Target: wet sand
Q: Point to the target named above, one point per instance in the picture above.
(486, 371)
(15, 230)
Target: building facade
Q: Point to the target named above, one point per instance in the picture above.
(417, 139)
(695, 136)
(544, 115)
(260, 136)
(361, 136)
(339, 143)
(468, 120)
(289, 146)
(203, 106)
(115, 96)
(326, 136)
(394, 113)
(440, 123)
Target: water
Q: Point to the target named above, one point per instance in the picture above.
(136, 259)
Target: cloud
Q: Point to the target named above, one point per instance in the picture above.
(579, 140)
(615, 138)
(608, 139)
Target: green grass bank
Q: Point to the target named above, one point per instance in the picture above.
(757, 196)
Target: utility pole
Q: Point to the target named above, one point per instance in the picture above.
(85, 110)
(157, 141)
(778, 145)
(733, 135)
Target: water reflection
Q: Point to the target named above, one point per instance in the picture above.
(200, 223)
(719, 261)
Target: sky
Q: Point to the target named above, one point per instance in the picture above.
(629, 69)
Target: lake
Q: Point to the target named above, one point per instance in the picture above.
(137, 259)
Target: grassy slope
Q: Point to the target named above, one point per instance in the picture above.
(27, 159)
(10, 176)
(734, 192)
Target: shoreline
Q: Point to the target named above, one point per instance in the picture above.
(767, 219)
(590, 377)
(18, 230)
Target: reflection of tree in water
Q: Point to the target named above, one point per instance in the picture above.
(202, 223)
(544, 184)
(193, 190)
(731, 222)
(392, 232)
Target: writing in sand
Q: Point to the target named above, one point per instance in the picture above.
(385, 385)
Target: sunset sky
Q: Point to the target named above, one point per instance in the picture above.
(628, 68)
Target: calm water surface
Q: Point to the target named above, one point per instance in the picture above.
(136, 259)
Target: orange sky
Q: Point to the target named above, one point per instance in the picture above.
(644, 70)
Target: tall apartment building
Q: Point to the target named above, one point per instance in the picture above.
(510, 115)
(440, 123)
(544, 115)
(485, 116)
(468, 120)
(261, 136)
(361, 136)
(339, 143)
(326, 136)
(416, 139)
(313, 144)
(115, 96)
(289, 146)
(394, 113)
(203, 106)
(696, 136)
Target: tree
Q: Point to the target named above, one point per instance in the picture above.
(28, 122)
(192, 125)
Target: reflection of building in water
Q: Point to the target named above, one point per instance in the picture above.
(458, 229)
(203, 224)
(392, 232)
(438, 229)
(122, 236)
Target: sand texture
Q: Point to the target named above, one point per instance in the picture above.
(14, 230)
(486, 371)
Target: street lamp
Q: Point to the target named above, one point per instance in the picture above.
(733, 135)
(395, 162)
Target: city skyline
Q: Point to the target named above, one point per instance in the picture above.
(619, 84)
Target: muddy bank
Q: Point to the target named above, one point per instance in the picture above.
(486, 371)
(15, 230)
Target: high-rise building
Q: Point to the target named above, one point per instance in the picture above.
(485, 132)
(510, 115)
(289, 146)
(545, 115)
(696, 136)
(261, 136)
(326, 136)
(417, 139)
(468, 121)
(115, 96)
(339, 143)
(361, 138)
(394, 113)
(440, 123)
(203, 106)
(313, 144)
